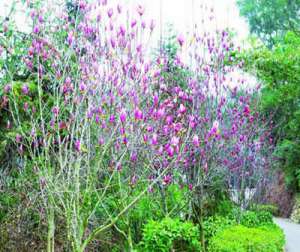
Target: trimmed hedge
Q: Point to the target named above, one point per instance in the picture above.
(238, 238)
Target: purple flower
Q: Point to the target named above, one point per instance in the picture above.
(41, 19)
(133, 180)
(119, 166)
(123, 116)
(167, 179)
(149, 128)
(152, 25)
(110, 12)
(140, 10)
(246, 111)
(154, 140)
(77, 145)
(70, 38)
(26, 106)
(205, 168)
(7, 88)
(101, 141)
(82, 4)
(160, 113)
(174, 141)
(182, 109)
(82, 87)
(169, 120)
(25, 89)
(55, 111)
(18, 138)
(170, 151)
(196, 142)
(113, 43)
(112, 118)
(122, 30)
(138, 114)
(36, 29)
(155, 99)
(119, 8)
(133, 23)
(180, 39)
(145, 138)
(214, 130)
(133, 157)
(122, 131)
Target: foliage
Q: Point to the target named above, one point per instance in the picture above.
(271, 19)
(148, 208)
(20, 220)
(255, 219)
(242, 239)
(295, 215)
(225, 207)
(170, 234)
(214, 224)
(272, 209)
(279, 69)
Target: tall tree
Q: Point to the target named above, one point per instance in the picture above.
(271, 19)
(279, 69)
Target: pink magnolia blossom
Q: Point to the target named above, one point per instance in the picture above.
(123, 116)
(196, 142)
(180, 40)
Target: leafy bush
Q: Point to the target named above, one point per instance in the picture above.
(272, 209)
(255, 219)
(242, 239)
(170, 234)
(279, 70)
(225, 207)
(215, 224)
(295, 216)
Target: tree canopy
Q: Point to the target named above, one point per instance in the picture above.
(271, 19)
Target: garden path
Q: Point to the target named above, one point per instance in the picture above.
(292, 234)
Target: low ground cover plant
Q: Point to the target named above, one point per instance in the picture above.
(239, 238)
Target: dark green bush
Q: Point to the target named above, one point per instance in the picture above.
(170, 234)
(225, 207)
(268, 238)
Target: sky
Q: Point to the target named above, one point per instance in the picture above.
(181, 13)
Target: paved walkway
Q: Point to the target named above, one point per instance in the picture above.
(292, 234)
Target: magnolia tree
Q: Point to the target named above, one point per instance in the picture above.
(102, 115)
(227, 138)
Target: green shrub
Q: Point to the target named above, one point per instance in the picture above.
(170, 234)
(215, 224)
(225, 207)
(295, 216)
(268, 238)
(255, 219)
(272, 209)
